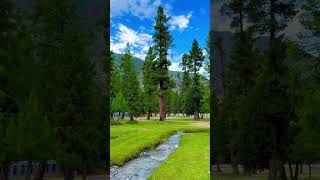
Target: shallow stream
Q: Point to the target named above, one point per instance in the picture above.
(143, 166)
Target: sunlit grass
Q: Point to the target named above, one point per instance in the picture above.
(127, 141)
(191, 160)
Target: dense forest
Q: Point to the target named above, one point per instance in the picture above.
(51, 99)
(157, 92)
(266, 115)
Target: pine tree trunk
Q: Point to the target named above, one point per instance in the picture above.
(1, 170)
(196, 115)
(41, 170)
(122, 116)
(148, 116)
(300, 168)
(28, 172)
(68, 174)
(254, 169)
(274, 161)
(131, 117)
(235, 166)
(4, 175)
(222, 74)
(218, 164)
(273, 166)
(309, 171)
(296, 172)
(290, 170)
(84, 171)
(247, 170)
(162, 106)
(282, 174)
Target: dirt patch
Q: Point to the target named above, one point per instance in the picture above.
(201, 123)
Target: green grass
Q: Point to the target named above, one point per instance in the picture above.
(189, 161)
(127, 140)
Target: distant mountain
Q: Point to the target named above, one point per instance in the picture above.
(138, 64)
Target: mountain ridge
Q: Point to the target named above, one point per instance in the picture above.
(138, 64)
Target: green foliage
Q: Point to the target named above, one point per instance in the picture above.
(271, 16)
(310, 18)
(236, 9)
(150, 82)
(69, 95)
(191, 86)
(205, 103)
(306, 147)
(119, 103)
(254, 117)
(130, 84)
(162, 40)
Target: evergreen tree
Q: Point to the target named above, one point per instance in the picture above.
(176, 103)
(10, 61)
(205, 91)
(237, 10)
(130, 83)
(196, 62)
(163, 40)
(70, 96)
(271, 17)
(185, 94)
(118, 103)
(218, 46)
(150, 84)
(242, 71)
(310, 20)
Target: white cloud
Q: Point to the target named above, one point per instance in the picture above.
(202, 70)
(140, 42)
(140, 8)
(175, 59)
(204, 52)
(175, 67)
(181, 22)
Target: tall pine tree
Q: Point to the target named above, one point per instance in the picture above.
(150, 83)
(70, 96)
(162, 40)
(271, 17)
(130, 84)
(196, 63)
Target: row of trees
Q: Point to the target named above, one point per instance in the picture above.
(267, 115)
(51, 107)
(129, 95)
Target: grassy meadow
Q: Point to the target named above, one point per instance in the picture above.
(190, 160)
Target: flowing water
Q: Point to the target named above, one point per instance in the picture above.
(143, 166)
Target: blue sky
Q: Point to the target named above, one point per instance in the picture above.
(132, 21)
